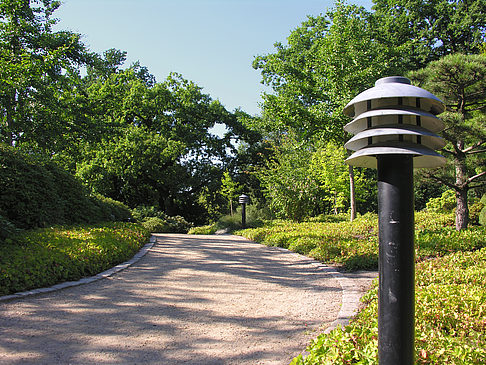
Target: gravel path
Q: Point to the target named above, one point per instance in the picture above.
(189, 300)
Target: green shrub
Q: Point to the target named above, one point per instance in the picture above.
(229, 223)
(175, 224)
(154, 224)
(34, 192)
(208, 229)
(445, 203)
(144, 211)
(114, 209)
(47, 256)
(7, 228)
(178, 224)
(475, 207)
(482, 213)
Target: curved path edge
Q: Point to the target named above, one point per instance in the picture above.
(86, 280)
(350, 295)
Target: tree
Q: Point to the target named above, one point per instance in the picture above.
(127, 103)
(138, 167)
(460, 80)
(229, 189)
(291, 190)
(327, 61)
(36, 67)
(428, 30)
(331, 173)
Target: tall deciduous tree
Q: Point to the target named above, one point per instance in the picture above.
(426, 30)
(36, 66)
(460, 80)
(327, 61)
(129, 103)
(138, 167)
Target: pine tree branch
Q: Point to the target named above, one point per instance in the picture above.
(472, 178)
(474, 152)
(441, 180)
(477, 185)
(476, 145)
(447, 151)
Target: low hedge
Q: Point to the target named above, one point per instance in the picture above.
(47, 256)
(354, 245)
(156, 221)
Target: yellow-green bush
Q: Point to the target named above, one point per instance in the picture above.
(47, 256)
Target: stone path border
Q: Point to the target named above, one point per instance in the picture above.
(86, 280)
(350, 296)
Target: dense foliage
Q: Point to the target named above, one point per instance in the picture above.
(125, 135)
(37, 67)
(47, 256)
(141, 141)
(331, 58)
(34, 192)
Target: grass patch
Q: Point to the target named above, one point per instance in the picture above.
(47, 256)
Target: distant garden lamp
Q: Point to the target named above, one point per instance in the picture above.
(243, 200)
(394, 130)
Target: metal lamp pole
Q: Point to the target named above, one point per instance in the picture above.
(243, 200)
(394, 126)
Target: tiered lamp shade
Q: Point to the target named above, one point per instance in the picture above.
(395, 118)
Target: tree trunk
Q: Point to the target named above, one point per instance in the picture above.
(352, 197)
(462, 209)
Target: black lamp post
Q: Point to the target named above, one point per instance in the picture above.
(243, 200)
(394, 125)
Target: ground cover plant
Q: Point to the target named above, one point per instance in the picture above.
(450, 316)
(47, 256)
(354, 245)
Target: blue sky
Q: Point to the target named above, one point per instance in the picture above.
(211, 42)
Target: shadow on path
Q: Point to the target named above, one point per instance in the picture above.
(190, 300)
